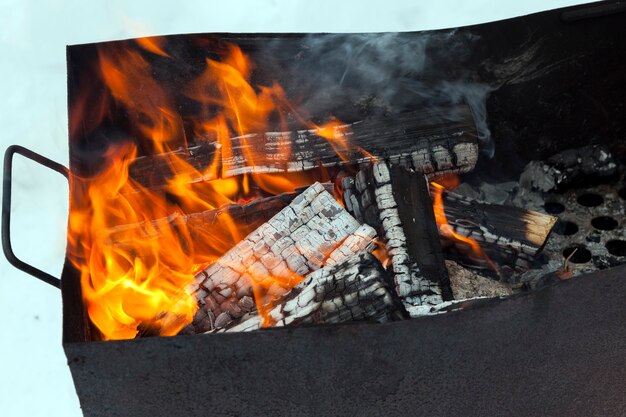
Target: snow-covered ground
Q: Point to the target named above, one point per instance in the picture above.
(34, 378)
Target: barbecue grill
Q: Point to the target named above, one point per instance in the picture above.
(556, 350)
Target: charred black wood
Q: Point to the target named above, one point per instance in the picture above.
(411, 193)
(509, 236)
(439, 140)
(353, 290)
(375, 198)
(582, 167)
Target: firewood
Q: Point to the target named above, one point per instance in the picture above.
(510, 236)
(362, 240)
(411, 193)
(384, 200)
(432, 141)
(212, 223)
(294, 242)
(584, 166)
(353, 290)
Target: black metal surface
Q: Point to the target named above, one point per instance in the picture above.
(557, 352)
(594, 10)
(6, 210)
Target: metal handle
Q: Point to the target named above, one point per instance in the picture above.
(6, 210)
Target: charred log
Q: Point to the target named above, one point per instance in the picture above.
(410, 190)
(353, 290)
(212, 223)
(584, 166)
(383, 200)
(362, 241)
(510, 236)
(273, 258)
(442, 140)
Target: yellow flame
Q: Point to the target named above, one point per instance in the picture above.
(131, 276)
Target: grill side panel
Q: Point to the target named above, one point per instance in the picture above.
(558, 351)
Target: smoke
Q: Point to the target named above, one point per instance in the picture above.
(385, 73)
(475, 95)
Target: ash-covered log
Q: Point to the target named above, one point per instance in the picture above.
(353, 290)
(432, 141)
(362, 240)
(396, 203)
(277, 255)
(509, 236)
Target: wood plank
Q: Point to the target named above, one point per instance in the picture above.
(353, 290)
(410, 190)
(512, 237)
(437, 140)
(214, 223)
(277, 255)
(370, 198)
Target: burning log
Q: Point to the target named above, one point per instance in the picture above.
(353, 290)
(396, 203)
(362, 240)
(435, 141)
(212, 223)
(508, 235)
(272, 259)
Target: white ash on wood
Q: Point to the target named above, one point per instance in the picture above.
(374, 198)
(362, 240)
(353, 290)
(272, 259)
(434, 141)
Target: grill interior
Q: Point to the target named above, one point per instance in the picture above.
(543, 77)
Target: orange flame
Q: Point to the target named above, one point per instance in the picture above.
(132, 276)
(153, 44)
(125, 287)
(267, 290)
(447, 230)
(336, 133)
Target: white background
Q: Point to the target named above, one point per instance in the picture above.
(34, 377)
